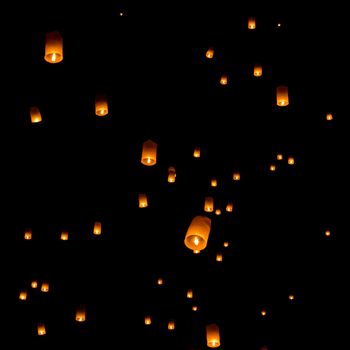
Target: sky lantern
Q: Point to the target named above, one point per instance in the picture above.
(197, 152)
(23, 295)
(209, 204)
(257, 70)
(171, 174)
(148, 320)
(291, 161)
(64, 236)
(189, 294)
(160, 281)
(80, 314)
(101, 105)
(223, 79)
(226, 244)
(34, 284)
(273, 167)
(149, 153)
(236, 176)
(53, 47)
(210, 53)
(171, 325)
(251, 23)
(143, 202)
(28, 234)
(219, 257)
(41, 329)
(198, 233)
(279, 156)
(97, 228)
(35, 115)
(329, 116)
(45, 287)
(282, 96)
(218, 211)
(229, 207)
(213, 182)
(213, 336)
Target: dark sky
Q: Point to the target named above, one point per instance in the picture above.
(75, 168)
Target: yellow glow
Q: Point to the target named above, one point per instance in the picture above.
(210, 53)
(148, 320)
(53, 57)
(272, 167)
(223, 79)
(194, 308)
(97, 228)
(329, 117)
(279, 156)
(196, 241)
(218, 257)
(195, 251)
(160, 281)
(291, 161)
(327, 233)
(28, 235)
(23, 295)
(226, 244)
(236, 176)
(190, 294)
(171, 325)
(41, 329)
(291, 297)
(213, 182)
(217, 211)
(263, 312)
(197, 152)
(64, 236)
(34, 284)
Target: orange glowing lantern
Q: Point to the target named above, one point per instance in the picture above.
(23, 295)
(34, 284)
(213, 182)
(64, 236)
(28, 234)
(35, 115)
(219, 256)
(160, 281)
(279, 156)
(45, 287)
(189, 294)
(97, 228)
(327, 233)
(218, 211)
(210, 53)
(41, 329)
(80, 315)
(171, 174)
(171, 325)
(291, 161)
(291, 297)
(149, 153)
(226, 244)
(197, 152)
(272, 167)
(53, 47)
(194, 307)
(223, 79)
(263, 312)
(282, 96)
(236, 176)
(198, 233)
(148, 320)
(213, 336)
(257, 70)
(101, 105)
(229, 207)
(209, 204)
(329, 116)
(251, 23)
(143, 202)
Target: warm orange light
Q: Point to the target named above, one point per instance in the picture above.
(28, 235)
(198, 233)
(171, 174)
(149, 153)
(329, 116)
(64, 236)
(53, 47)
(143, 202)
(171, 325)
(218, 211)
(327, 233)
(189, 294)
(251, 23)
(34, 284)
(97, 228)
(279, 156)
(236, 176)
(263, 313)
(291, 161)
(219, 257)
(258, 70)
(101, 105)
(210, 53)
(194, 307)
(226, 244)
(121, 14)
(148, 320)
(272, 167)
(282, 96)
(160, 281)
(291, 297)
(213, 336)
(197, 152)
(80, 315)
(213, 182)
(196, 251)
(223, 79)
(209, 204)
(35, 115)
(45, 287)
(229, 207)
(23, 295)
(41, 329)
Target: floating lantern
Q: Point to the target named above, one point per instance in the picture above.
(329, 116)
(263, 313)
(218, 211)
(258, 70)
(80, 315)
(171, 325)
(148, 320)
(28, 235)
(279, 156)
(34, 284)
(64, 236)
(210, 53)
(197, 152)
(251, 23)
(35, 115)
(229, 207)
(53, 47)
(236, 176)
(282, 96)
(291, 297)
(143, 203)
(213, 182)
(209, 204)
(272, 167)
(101, 105)
(198, 233)
(291, 161)
(171, 174)
(327, 233)
(97, 228)
(194, 307)
(223, 79)
(226, 244)
(23, 295)
(213, 336)
(45, 287)
(160, 281)
(219, 257)
(189, 294)
(149, 153)
(41, 329)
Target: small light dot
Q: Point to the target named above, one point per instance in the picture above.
(327, 233)
(291, 297)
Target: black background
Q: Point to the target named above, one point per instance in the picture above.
(75, 168)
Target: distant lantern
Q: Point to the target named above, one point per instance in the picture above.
(217, 211)
(236, 176)
(291, 161)
(143, 202)
(171, 325)
(197, 152)
(101, 105)
(53, 47)
(282, 96)
(35, 115)
(327, 233)
(160, 281)
(226, 244)
(329, 116)
(219, 256)
(45, 287)
(198, 233)
(223, 79)
(64, 236)
(210, 53)
(209, 204)
(34, 284)
(189, 294)
(291, 297)
(148, 320)
(171, 174)
(213, 182)
(80, 314)
(149, 153)
(251, 23)
(229, 207)
(194, 307)
(279, 156)
(41, 329)
(213, 336)
(23, 295)
(28, 235)
(272, 167)
(258, 70)
(97, 228)
(263, 313)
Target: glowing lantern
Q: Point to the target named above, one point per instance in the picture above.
(279, 156)
(196, 251)
(328, 233)
(226, 244)
(282, 96)
(171, 325)
(217, 211)
(101, 105)
(213, 336)
(80, 315)
(64, 236)
(194, 307)
(209, 204)
(23, 295)
(291, 161)
(53, 47)
(258, 70)
(34, 284)
(197, 152)
(251, 23)
(291, 297)
(97, 228)
(160, 281)
(190, 294)
(149, 153)
(45, 287)
(213, 182)
(171, 174)
(210, 53)
(229, 207)
(35, 115)
(41, 329)
(219, 257)
(198, 233)
(28, 234)
(223, 79)
(272, 167)
(143, 203)
(263, 313)
(329, 116)
(148, 320)
(236, 176)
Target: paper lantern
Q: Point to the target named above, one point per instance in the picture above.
(148, 320)
(223, 79)
(236, 176)
(28, 235)
(217, 211)
(272, 167)
(226, 244)
(35, 115)
(171, 325)
(23, 295)
(219, 256)
(149, 153)
(198, 233)
(210, 53)
(34, 284)
(258, 70)
(329, 116)
(282, 96)
(80, 315)
(160, 281)
(171, 174)
(194, 307)
(229, 207)
(213, 336)
(209, 204)
(189, 294)
(197, 152)
(279, 156)
(213, 182)
(45, 287)
(97, 228)
(327, 233)
(291, 161)
(53, 47)
(263, 312)
(251, 23)
(291, 297)
(143, 203)
(41, 329)
(101, 105)
(64, 236)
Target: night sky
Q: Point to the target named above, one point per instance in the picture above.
(75, 168)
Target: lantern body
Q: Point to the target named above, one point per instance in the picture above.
(101, 105)
(41, 329)
(53, 47)
(171, 325)
(171, 174)
(213, 336)
(197, 152)
(282, 96)
(229, 207)
(213, 182)
(219, 257)
(210, 53)
(194, 308)
(272, 167)
(97, 228)
(23, 295)
(159, 281)
(279, 156)
(226, 244)
(236, 176)
(190, 294)
(148, 320)
(291, 297)
(143, 203)
(28, 235)
(209, 204)
(34, 284)
(223, 79)
(35, 115)
(327, 233)
(291, 161)
(45, 287)
(218, 211)
(80, 315)
(64, 236)
(251, 23)
(198, 233)
(329, 116)
(258, 70)
(149, 153)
